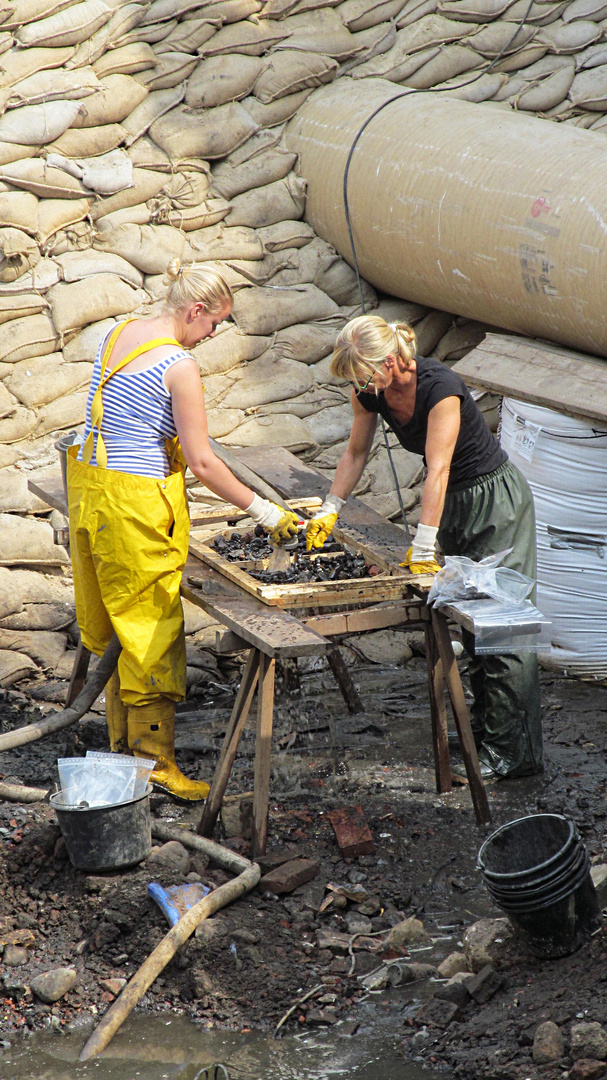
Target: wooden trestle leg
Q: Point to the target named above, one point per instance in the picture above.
(444, 647)
(344, 680)
(79, 673)
(263, 751)
(438, 712)
(231, 740)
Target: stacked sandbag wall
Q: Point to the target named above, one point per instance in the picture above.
(134, 132)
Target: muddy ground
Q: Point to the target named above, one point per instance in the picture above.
(256, 959)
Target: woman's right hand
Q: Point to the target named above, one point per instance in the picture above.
(320, 527)
(281, 524)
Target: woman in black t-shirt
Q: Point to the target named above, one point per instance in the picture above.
(475, 502)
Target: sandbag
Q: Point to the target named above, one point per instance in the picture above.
(52, 85)
(244, 38)
(451, 61)
(220, 242)
(170, 70)
(221, 79)
(74, 237)
(498, 36)
(34, 175)
(76, 265)
(474, 10)
(152, 34)
(189, 36)
(185, 189)
(18, 253)
(38, 124)
(585, 9)
(588, 88)
(69, 27)
(373, 42)
(17, 426)
(212, 134)
(549, 92)
(140, 214)
(192, 218)
(155, 105)
(84, 345)
(88, 142)
(39, 380)
(264, 168)
(41, 617)
(261, 310)
(17, 64)
(164, 10)
(26, 11)
(482, 88)
(364, 14)
(15, 307)
(289, 70)
(278, 430)
(15, 666)
(11, 599)
(15, 152)
(228, 11)
(306, 342)
(127, 60)
(43, 646)
(267, 205)
(144, 154)
(33, 335)
(330, 425)
(62, 413)
(103, 175)
(145, 185)
(19, 209)
(396, 63)
(40, 279)
(563, 37)
(148, 247)
(119, 97)
(76, 304)
(277, 111)
(285, 234)
(267, 379)
(29, 542)
(123, 19)
(227, 350)
(319, 31)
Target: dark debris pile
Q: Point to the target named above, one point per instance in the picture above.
(340, 565)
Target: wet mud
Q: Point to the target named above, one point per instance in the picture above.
(249, 965)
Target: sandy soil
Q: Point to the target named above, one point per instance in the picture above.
(257, 958)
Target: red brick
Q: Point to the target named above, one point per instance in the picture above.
(289, 876)
(587, 1069)
(352, 832)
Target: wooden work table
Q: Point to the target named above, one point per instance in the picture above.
(271, 634)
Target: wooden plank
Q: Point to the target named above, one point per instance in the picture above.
(377, 617)
(231, 741)
(274, 632)
(539, 372)
(79, 673)
(263, 753)
(50, 490)
(358, 523)
(227, 512)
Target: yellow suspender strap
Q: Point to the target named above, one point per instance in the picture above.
(97, 402)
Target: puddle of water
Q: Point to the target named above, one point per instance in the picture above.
(154, 1049)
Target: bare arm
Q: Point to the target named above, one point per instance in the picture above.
(187, 396)
(443, 430)
(352, 464)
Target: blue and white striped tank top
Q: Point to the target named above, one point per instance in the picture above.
(137, 417)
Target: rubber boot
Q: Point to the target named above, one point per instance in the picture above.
(116, 716)
(152, 735)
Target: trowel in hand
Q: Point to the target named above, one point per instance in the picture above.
(280, 559)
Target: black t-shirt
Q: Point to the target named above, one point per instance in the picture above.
(476, 452)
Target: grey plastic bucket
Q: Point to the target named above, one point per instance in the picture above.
(106, 837)
(537, 871)
(62, 445)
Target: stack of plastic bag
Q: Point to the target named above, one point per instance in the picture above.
(102, 779)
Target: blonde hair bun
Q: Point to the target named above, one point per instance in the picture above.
(196, 283)
(173, 269)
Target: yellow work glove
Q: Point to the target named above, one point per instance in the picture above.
(281, 524)
(420, 558)
(428, 566)
(320, 527)
(286, 526)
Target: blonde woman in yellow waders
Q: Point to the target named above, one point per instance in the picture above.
(129, 522)
(475, 501)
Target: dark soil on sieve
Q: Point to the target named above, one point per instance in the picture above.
(257, 958)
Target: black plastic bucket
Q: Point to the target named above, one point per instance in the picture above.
(537, 871)
(106, 837)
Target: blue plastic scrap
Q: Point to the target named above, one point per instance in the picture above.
(175, 900)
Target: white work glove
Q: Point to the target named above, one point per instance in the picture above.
(423, 548)
(320, 526)
(281, 524)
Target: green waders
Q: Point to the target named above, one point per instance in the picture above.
(488, 515)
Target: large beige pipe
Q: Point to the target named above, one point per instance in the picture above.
(480, 211)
